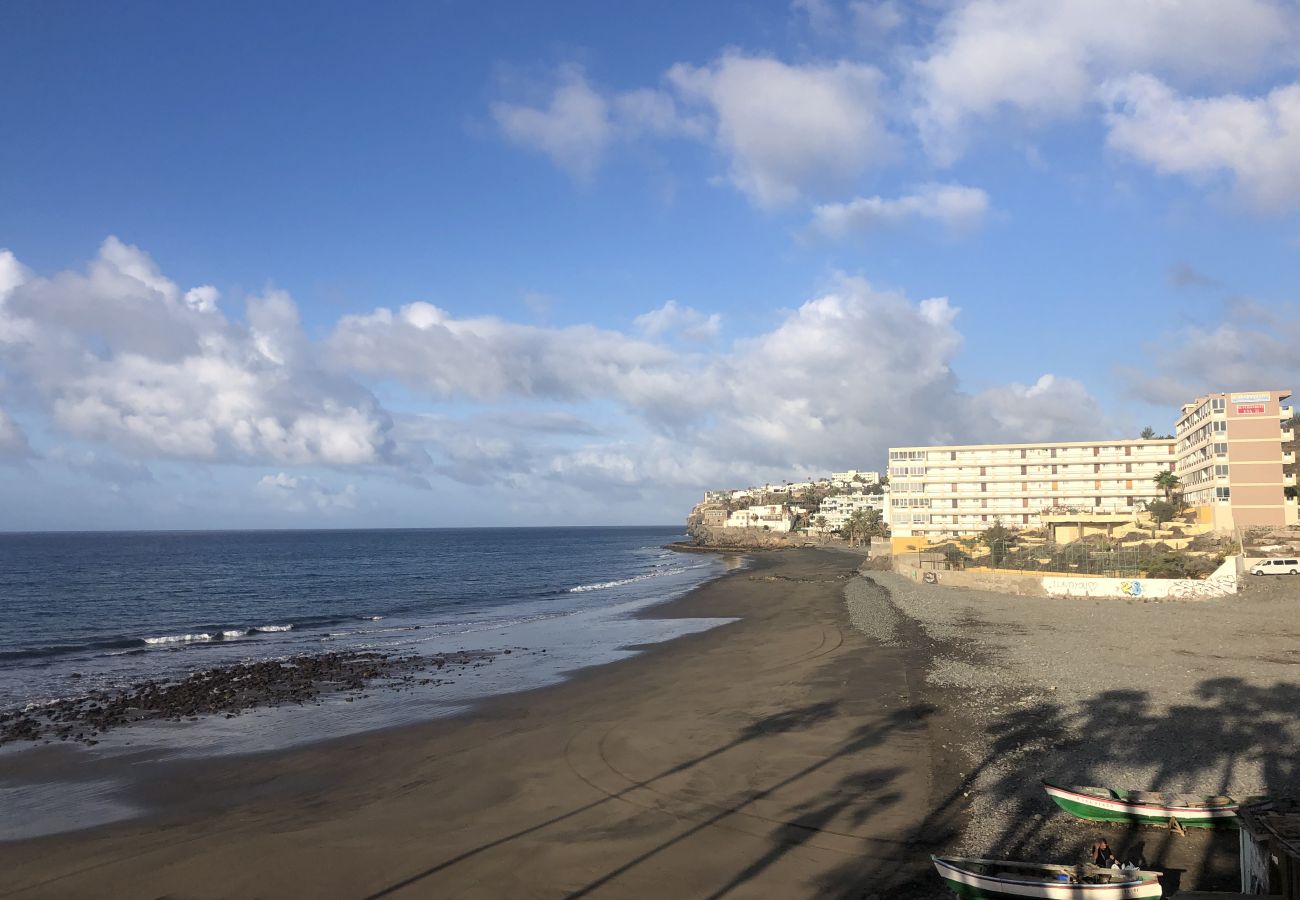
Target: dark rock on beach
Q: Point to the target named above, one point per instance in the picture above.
(226, 689)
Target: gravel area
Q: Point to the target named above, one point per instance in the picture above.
(1199, 697)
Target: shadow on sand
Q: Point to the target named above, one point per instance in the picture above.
(1194, 747)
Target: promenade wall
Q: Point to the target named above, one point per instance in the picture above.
(1036, 584)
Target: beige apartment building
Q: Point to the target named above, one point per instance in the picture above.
(1231, 459)
(955, 491)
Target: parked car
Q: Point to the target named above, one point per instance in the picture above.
(1276, 567)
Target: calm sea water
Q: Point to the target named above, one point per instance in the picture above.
(114, 608)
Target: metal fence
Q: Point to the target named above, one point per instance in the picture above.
(1078, 558)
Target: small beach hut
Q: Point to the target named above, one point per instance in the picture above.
(1270, 848)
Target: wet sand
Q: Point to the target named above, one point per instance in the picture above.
(783, 755)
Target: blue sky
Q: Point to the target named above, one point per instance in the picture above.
(482, 264)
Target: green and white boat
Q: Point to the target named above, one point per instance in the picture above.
(1098, 804)
(996, 878)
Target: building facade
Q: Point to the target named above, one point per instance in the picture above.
(942, 492)
(1233, 459)
(772, 517)
(837, 509)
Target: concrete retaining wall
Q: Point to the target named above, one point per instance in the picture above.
(1032, 584)
(1222, 583)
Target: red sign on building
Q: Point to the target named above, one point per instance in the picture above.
(1250, 409)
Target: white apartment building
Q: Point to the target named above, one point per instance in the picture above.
(955, 491)
(837, 510)
(773, 517)
(853, 476)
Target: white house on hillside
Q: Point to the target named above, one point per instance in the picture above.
(773, 517)
(836, 510)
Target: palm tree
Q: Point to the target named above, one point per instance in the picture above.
(1168, 482)
(1148, 433)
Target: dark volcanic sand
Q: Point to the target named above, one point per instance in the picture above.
(783, 755)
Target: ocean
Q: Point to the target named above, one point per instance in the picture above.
(103, 610)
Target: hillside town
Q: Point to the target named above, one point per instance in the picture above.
(853, 505)
(1230, 464)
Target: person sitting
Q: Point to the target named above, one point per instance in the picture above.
(1102, 855)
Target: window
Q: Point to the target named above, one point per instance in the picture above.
(1221, 471)
(1219, 404)
(1221, 449)
(1222, 493)
(1219, 426)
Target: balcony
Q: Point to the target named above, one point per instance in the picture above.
(1287, 436)
(1286, 412)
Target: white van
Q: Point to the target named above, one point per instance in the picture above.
(1276, 567)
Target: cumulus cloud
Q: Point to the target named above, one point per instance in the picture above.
(787, 130)
(488, 359)
(1041, 411)
(103, 467)
(682, 321)
(301, 493)
(956, 207)
(120, 354)
(836, 381)
(862, 21)
(577, 124)
(13, 443)
(119, 358)
(1253, 348)
(1043, 61)
(1253, 142)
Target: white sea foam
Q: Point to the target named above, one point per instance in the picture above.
(234, 633)
(602, 585)
(179, 638)
(274, 628)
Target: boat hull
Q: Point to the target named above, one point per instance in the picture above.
(980, 887)
(1097, 809)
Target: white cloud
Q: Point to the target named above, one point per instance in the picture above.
(1254, 142)
(837, 381)
(13, 443)
(956, 207)
(1049, 407)
(682, 321)
(577, 124)
(1253, 348)
(120, 354)
(1043, 61)
(863, 21)
(12, 273)
(787, 130)
(101, 467)
(302, 493)
(573, 128)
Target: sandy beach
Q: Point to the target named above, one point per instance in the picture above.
(786, 754)
(1195, 697)
(842, 728)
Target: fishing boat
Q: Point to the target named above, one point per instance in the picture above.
(1100, 804)
(995, 878)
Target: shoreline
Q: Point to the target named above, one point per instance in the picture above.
(781, 749)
